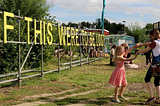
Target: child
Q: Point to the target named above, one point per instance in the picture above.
(118, 75)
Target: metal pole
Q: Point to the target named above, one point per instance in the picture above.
(0, 27)
(19, 47)
(94, 54)
(36, 58)
(18, 56)
(124, 26)
(80, 52)
(42, 54)
(58, 52)
(99, 52)
(26, 57)
(88, 53)
(70, 58)
(88, 46)
(42, 61)
(58, 59)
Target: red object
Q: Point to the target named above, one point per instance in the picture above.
(105, 32)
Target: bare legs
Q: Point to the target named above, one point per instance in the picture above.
(116, 92)
(121, 92)
(150, 89)
(158, 93)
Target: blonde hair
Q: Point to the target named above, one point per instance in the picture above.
(116, 54)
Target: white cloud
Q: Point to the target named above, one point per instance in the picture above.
(93, 1)
(79, 5)
(154, 2)
(136, 9)
(141, 15)
(112, 5)
(141, 10)
(126, 2)
(129, 21)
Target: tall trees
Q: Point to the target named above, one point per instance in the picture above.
(137, 32)
(149, 26)
(113, 28)
(35, 9)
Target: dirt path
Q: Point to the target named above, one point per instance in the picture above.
(51, 99)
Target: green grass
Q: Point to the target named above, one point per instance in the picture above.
(86, 78)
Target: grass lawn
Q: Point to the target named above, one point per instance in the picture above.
(92, 79)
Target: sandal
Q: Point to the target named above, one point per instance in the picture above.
(157, 102)
(115, 100)
(121, 97)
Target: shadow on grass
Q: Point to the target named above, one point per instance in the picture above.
(66, 101)
(138, 103)
(100, 65)
(101, 101)
(12, 84)
(97, 101)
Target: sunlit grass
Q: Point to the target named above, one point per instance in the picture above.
(88, 77)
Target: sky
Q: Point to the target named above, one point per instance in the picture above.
(117, 11)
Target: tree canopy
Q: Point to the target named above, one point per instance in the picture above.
(35, 9)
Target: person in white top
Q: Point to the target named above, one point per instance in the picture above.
(112, 54)
(155, 46)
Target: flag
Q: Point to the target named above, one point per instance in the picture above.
(102, 18)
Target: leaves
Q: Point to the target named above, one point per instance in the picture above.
(137, 32)
(35, 9)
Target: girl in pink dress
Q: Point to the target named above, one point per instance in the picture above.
(118, 77)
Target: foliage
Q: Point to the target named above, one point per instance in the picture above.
(149, 26)
(140, 34)
(72, 24)
(112, 27)
(35, 9)
(137, 32)
(31, 8)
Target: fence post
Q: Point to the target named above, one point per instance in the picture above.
(19, 52)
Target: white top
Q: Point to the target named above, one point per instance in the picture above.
(156, 49)
(112, 51)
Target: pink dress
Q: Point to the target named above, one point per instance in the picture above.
(118, 76)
